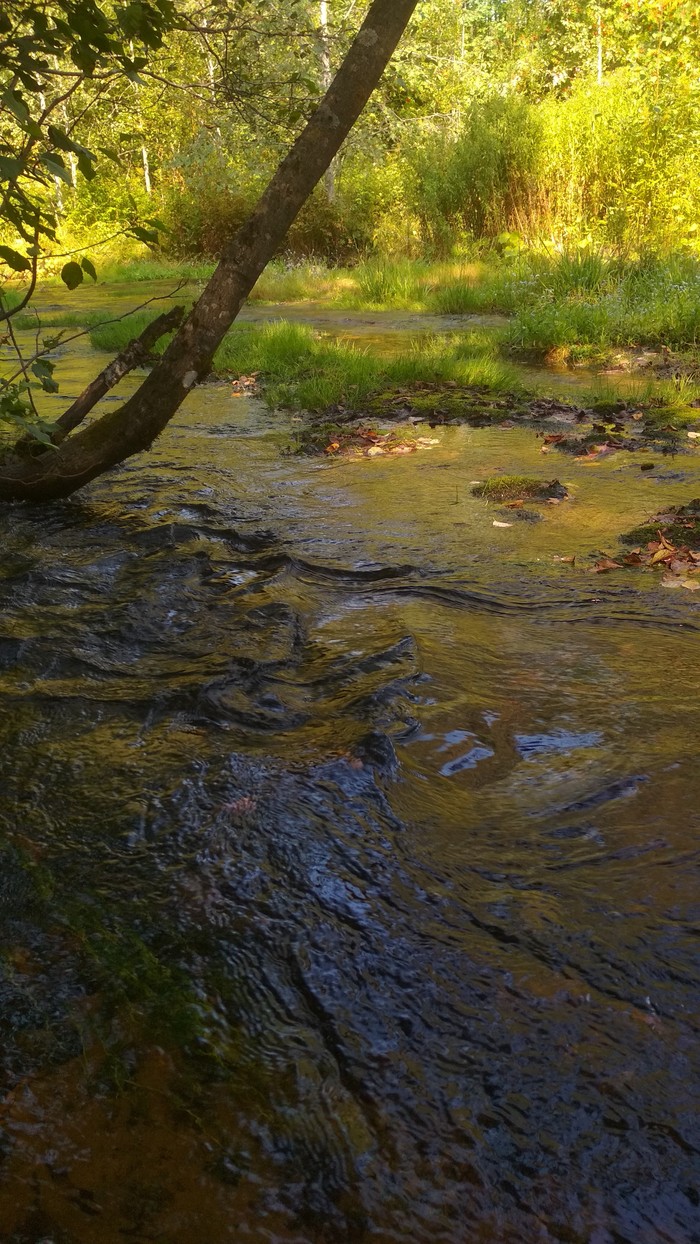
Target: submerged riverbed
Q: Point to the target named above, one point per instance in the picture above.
(349, 884)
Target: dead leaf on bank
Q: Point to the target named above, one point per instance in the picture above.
(605, 564)
(571, 560)
(596, 452)
(514, 505)
(554, 438)
(661, 555)
(332, 448)
(676, 580)
(374, 450)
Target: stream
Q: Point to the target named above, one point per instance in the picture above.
(349, 886)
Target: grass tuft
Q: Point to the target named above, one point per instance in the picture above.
(304, 370)
(515, 487)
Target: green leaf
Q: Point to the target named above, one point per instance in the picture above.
(10, 168)
(85, 58)
(155, 223)
(72, 274)
(88, 266)
(14, 260)
(58, 138)
(111, 154)
(43, 370)
(85, 166)
(16, 104)
(149, 236)
(50, 343)
(55, 165)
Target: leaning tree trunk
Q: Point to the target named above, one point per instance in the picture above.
(135, 425)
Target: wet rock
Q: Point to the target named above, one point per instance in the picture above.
(521, 516)
(376, 750)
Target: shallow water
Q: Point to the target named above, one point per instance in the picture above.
(350, 851)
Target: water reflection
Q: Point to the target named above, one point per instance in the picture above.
(349, 851)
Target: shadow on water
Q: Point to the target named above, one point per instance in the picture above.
(349, 846)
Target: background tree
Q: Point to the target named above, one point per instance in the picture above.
(60, 470)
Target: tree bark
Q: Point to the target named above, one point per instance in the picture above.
(135, 354)
(135, 425)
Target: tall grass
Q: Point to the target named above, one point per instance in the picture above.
(300, 369)
(303, 370)
(615, 162)
(160, 268)
(647, 303)
(585, 298)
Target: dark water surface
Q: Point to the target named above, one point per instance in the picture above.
(349, 853)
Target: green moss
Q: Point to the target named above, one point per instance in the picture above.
(680, 525)
(515, 487)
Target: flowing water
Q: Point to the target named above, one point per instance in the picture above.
(349, 851)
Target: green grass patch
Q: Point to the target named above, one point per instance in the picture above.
(517, 487)
(583, 304)
(300, 369)
(9, 298)
(106, 335)
(650, 302)
(680, 525)
(154, 269)
(28, 321)
(114, 337)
